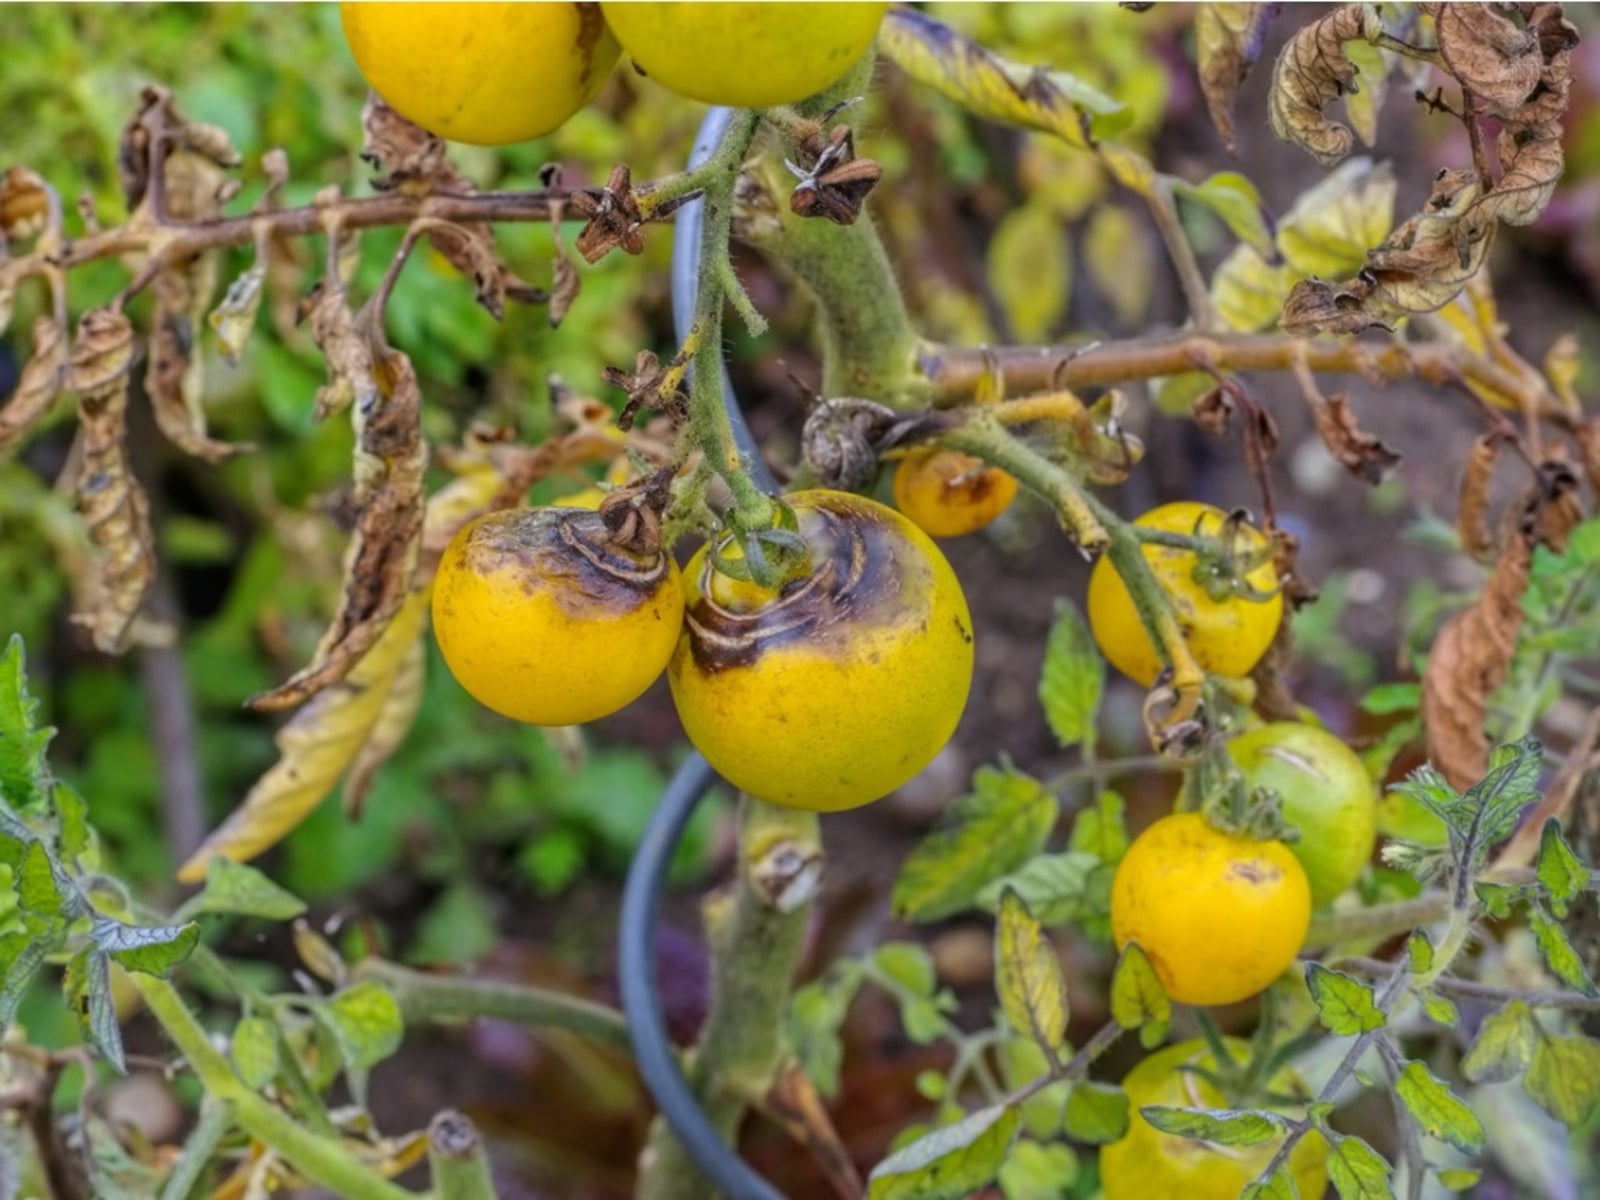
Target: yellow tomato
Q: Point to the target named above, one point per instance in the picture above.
(948, 493)
(1226, 636)
(1219, 916)
(544, 620)
(483, 73)
(835, 690)
(1327, 795)
(1146, 1164)
(745, 55)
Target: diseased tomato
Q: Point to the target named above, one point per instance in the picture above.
(837, 688)
(948, 493)
(1218, 915)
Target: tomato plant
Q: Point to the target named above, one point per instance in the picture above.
(773, 685)
(544, 616)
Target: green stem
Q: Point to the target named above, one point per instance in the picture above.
(216, 1118)
(1473, 990)
(756, 933)
(988, 439)
(1383, 921)
(319, 1159)
(428, 998)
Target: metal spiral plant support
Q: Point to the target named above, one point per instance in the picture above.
(641, 898)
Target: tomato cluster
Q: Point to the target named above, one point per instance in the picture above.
(499, 73)
(543, 617)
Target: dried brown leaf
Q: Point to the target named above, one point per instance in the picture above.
(390, 461)
(1363, 455)
(1472, 515)
(40, 383)
(175, 378)
(1228, 40)
(113, 504)
(1587, 436)
(1316, 306)
(1488, 54)
(196, 157)
(349, 358)
(24, 204)
(1311, 73)
(614, 216)
(567, 283)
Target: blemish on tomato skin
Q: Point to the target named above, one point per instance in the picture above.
(1255, 872)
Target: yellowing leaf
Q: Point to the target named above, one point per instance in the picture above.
(1028, 979)
(1248, 294)
(1121, 260)
(320, 743)
(1030, 271)
(1331, 226)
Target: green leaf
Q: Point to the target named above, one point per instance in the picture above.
(1039, 1172)
(233, 887)
(1459, 1179)
(1096, 1113)
(86, 983)
(152, 949)
(24, 777)
(19, 974)
(1488, 811)
(909, 965)
(1564, 1078)
(1027, 973)
(114, 1174)
(41, 889)
(1029, 266)
(1559, 955)
(1387, 699)
(1440, 1009)
(1278, 1186)
(1073, 677)
(72, 821)
(367, 1020)
(1138, 1001)
(1560, 871)
(984, 835)
(1055, 886)
(815, 1013)
(1497, 898)
(1237, 201)
(1223, 1126)
(255, 1051)
(1419, 951)
(1101, 830)
(1504, 1046)
(1344, 1004)
(1440, 1112)
(952, 1161)
(1357, 1170)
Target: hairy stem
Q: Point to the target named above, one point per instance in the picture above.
(457, 1159)
(456, 997)
(756, 932)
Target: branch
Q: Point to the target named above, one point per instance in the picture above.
(955, 372)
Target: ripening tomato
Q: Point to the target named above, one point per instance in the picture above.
(483, 73)
(1218, 915)
(1146, 1164)
(1327, 795)
(948, 493)
(1227, 636)
(837, 688)
(543, 618)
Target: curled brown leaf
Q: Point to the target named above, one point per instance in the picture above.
(1358, 451)
(1312, 72)
(1228, 40)
(1488, 54)
(1317, 306)
(40, 383)
(175, 376)
(113, 503)
(390, 461)
(1472, 513)
(24, 204)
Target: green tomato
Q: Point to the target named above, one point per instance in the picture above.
(1327, 795)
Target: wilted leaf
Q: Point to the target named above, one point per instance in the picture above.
(24, 204)
(1358, 451)
(175, 378)
(985, 834)
(235, 317)
(1228, 40)
(320, 744)
(1472, 512)
(1365, 97)
(1440, 1112)
(1029, 266)
(1027, 973)
(950, 1163)
(111, 500)
(1072, 679)
(1345, 1005)
(1487, 53)
(1311, 73)
(1026, 97)
(40, 381)
(390, 461)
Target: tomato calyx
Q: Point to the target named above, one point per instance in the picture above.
(771, 557)
(1217, 789)
(632, 514)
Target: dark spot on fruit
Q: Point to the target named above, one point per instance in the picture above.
(1255, 871)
